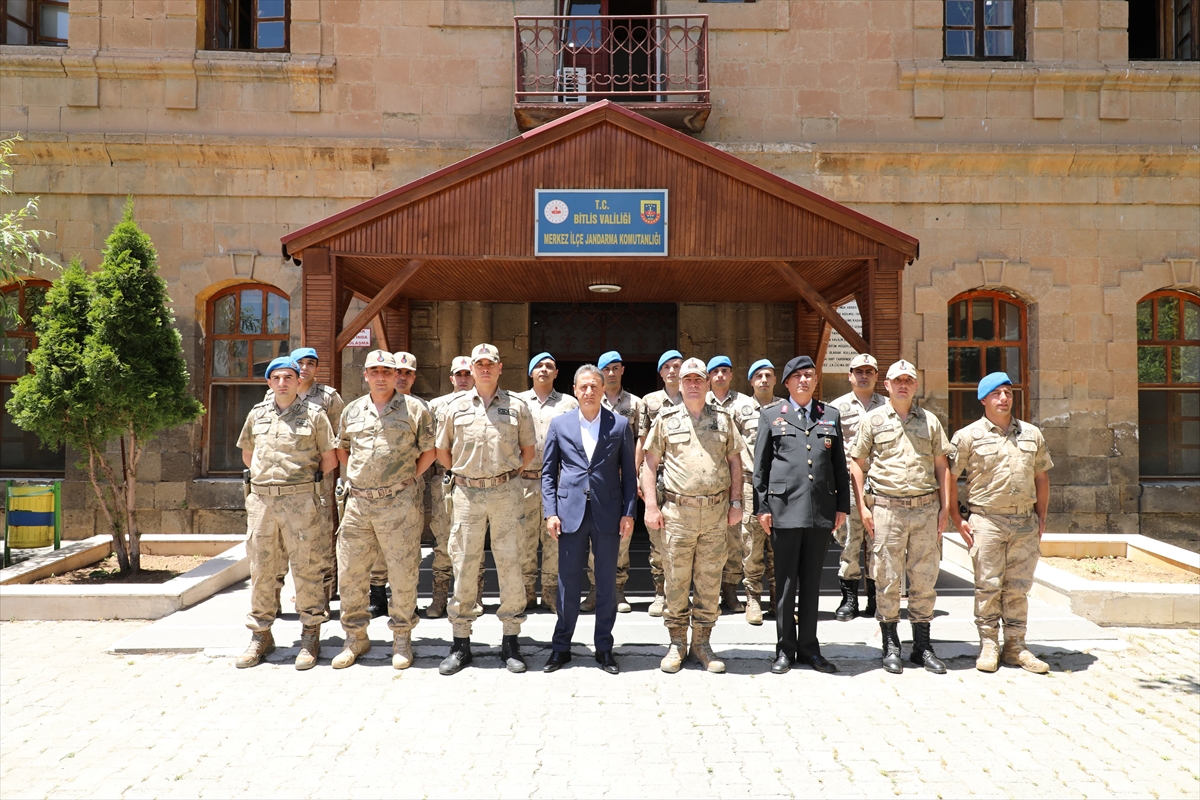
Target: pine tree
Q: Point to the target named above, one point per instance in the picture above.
(109, 365)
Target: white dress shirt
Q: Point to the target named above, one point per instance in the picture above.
(589, 432)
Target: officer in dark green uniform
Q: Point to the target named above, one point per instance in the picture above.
(801, 493)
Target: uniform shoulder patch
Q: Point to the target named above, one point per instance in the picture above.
(772, 404)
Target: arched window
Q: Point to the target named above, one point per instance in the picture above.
(21, 452)
(1168, 331)
(987, 333)
(247, 327)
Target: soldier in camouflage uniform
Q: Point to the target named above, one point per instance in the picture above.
(1007, 467)
(486, 439)
(461, 380)
(629, 406)
(700, 451)
(385, 444)
(903, 449)
(287, 444)
(328, 400)
(545, 403)
(864, 371)
(652, 405)
(758, 565)
(741, 408)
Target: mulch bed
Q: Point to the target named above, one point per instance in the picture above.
(155, 569)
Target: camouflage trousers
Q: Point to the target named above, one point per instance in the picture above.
(282, 532)
(734, 552)
(694, 541)
(757, 555)
(622, 564)
(391, 527)
(1005, 553)
(534, 532)
(906, 541)
(850, 538)
(328, 549)
(501, 506)
(439, 524)
(379, 567)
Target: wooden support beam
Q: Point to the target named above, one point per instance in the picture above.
(385, 296)
(821, 306)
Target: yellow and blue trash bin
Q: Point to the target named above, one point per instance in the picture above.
(32, 516)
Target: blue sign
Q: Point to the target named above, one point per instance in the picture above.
(600, 222)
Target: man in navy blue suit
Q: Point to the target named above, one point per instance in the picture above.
(589, 490)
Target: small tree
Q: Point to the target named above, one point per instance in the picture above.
(108, 365)
(19, 253)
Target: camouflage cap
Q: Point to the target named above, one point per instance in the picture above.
(459, 364)
(864, 360)
(693, 366)
(380, 358)
(485, 352)
(901, 367)
(405, 360)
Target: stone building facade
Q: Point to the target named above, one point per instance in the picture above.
(1063, 182)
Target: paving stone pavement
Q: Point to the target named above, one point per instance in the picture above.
(79, 721)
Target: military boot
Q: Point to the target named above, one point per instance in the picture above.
(848, 610)
(729, 598)
(922, 651)
(589, 603)
(676, 650)
(355, 646)
(460, 656)
(441, 593)
(623, 606)
(310, 647)
(754, 614)
(1016, 654)
(989, 651)
(892, 660)
(550, 595)
(510, 654)
(703, 652)
(656, 605)
(869, 610)
(262, 644)
(402, 654)
(378, 606)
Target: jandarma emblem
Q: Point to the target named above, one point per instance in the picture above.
(651, 211)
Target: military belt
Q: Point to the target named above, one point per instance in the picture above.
(486, 483)
(696, 501)
(387, 491)
(1005, 511)
(906, 502)
(280, 490)
(532, 474)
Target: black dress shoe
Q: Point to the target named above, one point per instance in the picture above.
(782, 664)
(820, 663)
(557, 660)
(607, 663)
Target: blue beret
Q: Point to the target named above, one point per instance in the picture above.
(719, 361)
(991, 382)
(304, 352)
(799, 362)
(609, 358)
(539, 358)
(283, 362)
(757, 365)
(670, 355)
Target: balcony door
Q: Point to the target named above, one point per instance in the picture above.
(608, 52)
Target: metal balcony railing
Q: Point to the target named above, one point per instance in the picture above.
(644, 59)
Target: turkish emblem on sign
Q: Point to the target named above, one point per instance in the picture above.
(651, 211)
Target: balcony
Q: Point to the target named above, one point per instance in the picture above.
(655, 65)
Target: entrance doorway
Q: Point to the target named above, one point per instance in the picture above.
(577, 333)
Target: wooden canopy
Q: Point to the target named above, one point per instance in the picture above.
(737, 234)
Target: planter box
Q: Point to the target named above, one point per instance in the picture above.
(1152, 605)
(21, 600)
